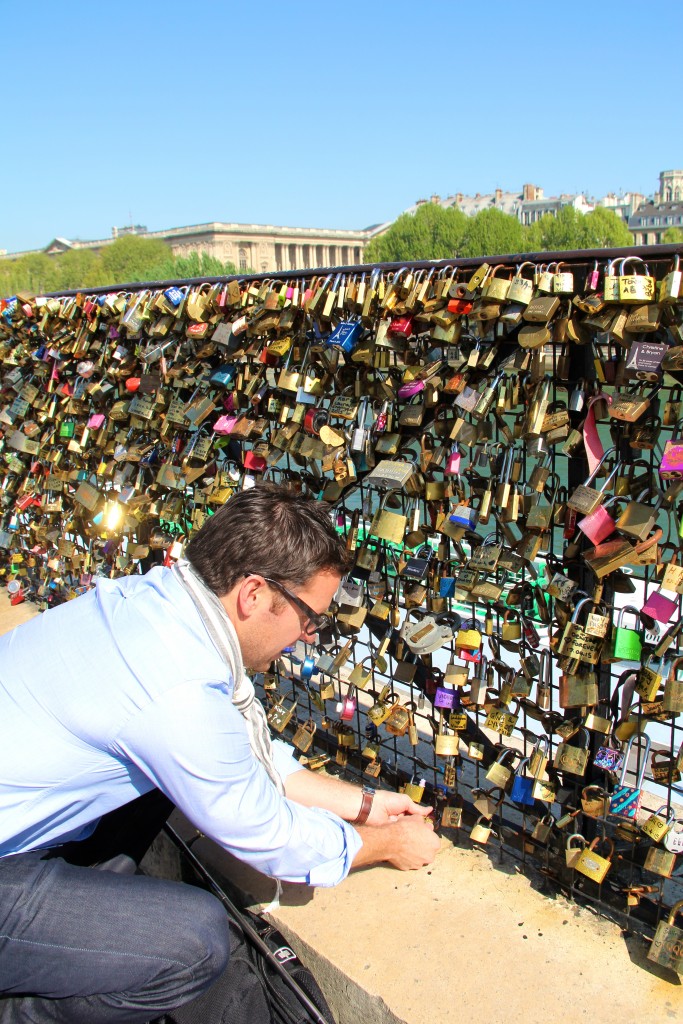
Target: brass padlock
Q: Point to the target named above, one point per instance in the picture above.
(592, 864)
(667, 945)
(303, 737)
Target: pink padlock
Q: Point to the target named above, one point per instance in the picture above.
(660, 607)
(224, 424)
(672, 460)
(411, 389)
(452, 467)
(348, 709)
(599, 525)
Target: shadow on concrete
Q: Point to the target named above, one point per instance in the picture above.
(637, 950)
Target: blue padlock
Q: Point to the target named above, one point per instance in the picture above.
(522, 787)
(346, 335)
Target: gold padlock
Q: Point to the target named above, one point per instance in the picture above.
(592, 864)
(655, 827)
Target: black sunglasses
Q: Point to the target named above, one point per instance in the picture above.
(314, 620)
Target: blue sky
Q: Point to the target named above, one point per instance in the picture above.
(322, 115)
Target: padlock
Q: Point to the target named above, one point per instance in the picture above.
(660, 862)
(303, 736)
(415, 790)
(446, 743)
(594, 801)
(673, 689)
(638, 519)
(521, 288)
(496, 288)
(670, 285)
(610, 759)
(511, 628)
(634, 287)
(655, 827)
(628, 644)
(667, 945)
(572, 851)
(279, 716)
(586, 499)
(498, 773)
(673, 840)
(522, 786)
(660, 607)
(563, 281)
(573, 759)
(575, 644)
(480, 832)
(599, 525)
(382, 708)
(578, 689)
(592, 864)
(625, 800)
(543, 829)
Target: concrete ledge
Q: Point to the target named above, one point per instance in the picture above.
(471, 935)
(469, 938)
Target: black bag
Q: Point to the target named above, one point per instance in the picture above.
(250, 990)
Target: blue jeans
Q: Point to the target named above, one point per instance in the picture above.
(86, 946)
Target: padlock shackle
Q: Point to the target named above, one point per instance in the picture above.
(641, 774)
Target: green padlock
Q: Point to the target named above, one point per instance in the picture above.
(628, 644)
(67, 428)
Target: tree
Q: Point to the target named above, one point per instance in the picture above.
(493, 233)
(569, 229)
(196, 264)
(34, 272)
(432, 232)
(673, 236)
(78, 268)
(132, 258)
(605, 229)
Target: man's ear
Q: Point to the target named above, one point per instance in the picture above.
(246, 597)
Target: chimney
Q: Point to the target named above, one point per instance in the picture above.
(435, 199)
(459, 198)
(528, 192)
(499, 195)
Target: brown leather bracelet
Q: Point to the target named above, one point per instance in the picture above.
(365, 807)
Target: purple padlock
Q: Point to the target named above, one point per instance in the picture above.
(445, 697)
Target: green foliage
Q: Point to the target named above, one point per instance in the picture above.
(131, 258)
(128, 259)
(605, 229)
(77, 268)
(672, 236)
(493, 233)
(431, 233)
(601, 229)
(196, 264)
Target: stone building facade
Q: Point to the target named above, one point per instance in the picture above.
(256, 247)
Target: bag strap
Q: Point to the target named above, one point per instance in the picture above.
(250, 933)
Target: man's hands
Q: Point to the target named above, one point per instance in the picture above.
(388, 807)
(407, 844)
(398, 831)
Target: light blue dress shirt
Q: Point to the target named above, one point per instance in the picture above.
(121, 690)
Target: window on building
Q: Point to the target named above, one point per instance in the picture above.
(307, 256)
(357, 255)
(333, 255)
(345, 255)
(677, 194)
(292, 257)
(244, 263)
(264, 265)
(278, 256)
(320, 256)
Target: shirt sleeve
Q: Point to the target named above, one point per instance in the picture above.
(192, 743)
(285, 760)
